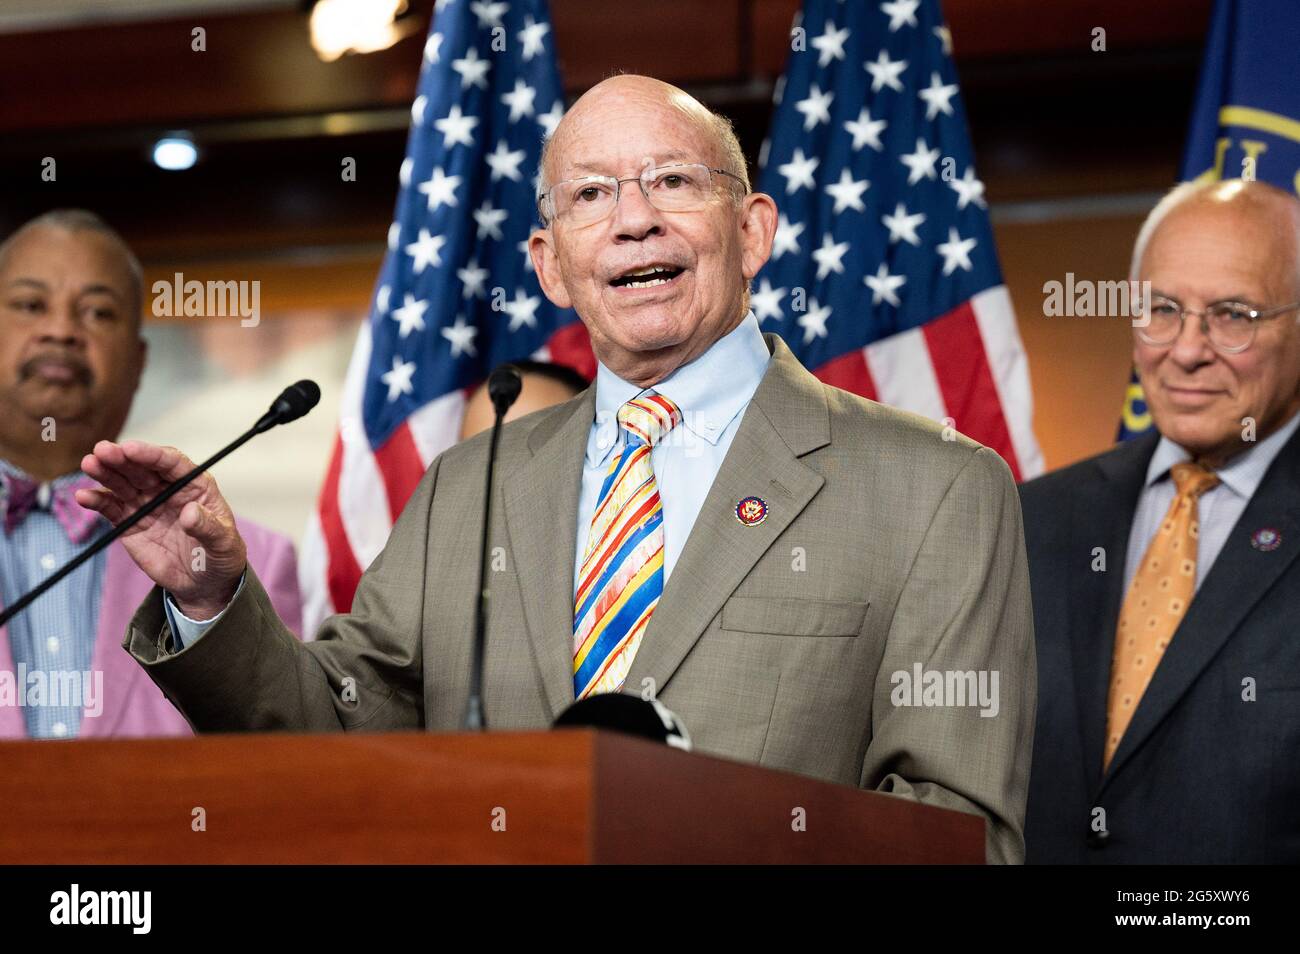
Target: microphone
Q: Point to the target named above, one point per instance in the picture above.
(504, 385)
(632, 715)
(295, 401)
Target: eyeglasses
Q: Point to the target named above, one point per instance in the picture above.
(1230, 325)
(686, 187)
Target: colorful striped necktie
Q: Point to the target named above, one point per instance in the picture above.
(622, 575)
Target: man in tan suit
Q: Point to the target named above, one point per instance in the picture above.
(813, 582)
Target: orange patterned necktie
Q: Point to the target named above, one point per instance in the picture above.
(1157, 600)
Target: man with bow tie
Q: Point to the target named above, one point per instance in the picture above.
(71, 356)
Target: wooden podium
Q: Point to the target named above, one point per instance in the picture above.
(563, 797)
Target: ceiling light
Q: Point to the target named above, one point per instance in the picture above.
(175, 153)
(356, 26)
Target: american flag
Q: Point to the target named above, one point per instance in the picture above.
(884, 279)
(456, 294)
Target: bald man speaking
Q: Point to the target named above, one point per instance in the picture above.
(811, 581)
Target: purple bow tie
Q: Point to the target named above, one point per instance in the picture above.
(21, 495)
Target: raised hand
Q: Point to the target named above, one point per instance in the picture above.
(189, 546)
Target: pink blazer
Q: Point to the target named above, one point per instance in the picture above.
(132, 704)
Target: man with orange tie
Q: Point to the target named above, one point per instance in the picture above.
(1165, 578)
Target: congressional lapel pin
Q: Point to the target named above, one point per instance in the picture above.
(1266, 539)
(751, 511)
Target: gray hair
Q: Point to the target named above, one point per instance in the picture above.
(83, 220)
(1187, 191)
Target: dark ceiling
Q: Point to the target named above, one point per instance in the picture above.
(1050, 118)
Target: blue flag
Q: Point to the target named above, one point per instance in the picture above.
(1246, 122)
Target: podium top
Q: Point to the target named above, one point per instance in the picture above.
(558, 797)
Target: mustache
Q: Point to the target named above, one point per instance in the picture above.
(80, 369)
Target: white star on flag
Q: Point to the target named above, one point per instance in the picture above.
(399, 378)
(520, 100)
(883, 285)
(489, 14)
(956, 252)
(461, 337)
(472, 279)
(900, 12)
(472, 69)
(813, 321)
(521, 310)
(531, 37)
(830, 45)
(816, 108)
(885, 72)
(787, 236)
(866, 131)
(551, 119)
(410, 316)
(798, 172)
(766, 302)
(432, 47)
(489, 220)
(968, 189)
(439, 189)
(902, 227)
(417, 109)
(847, 193)
(937, 97)
(829, 256)
(425, 250)
(920, 163)
(504, 162)
(456, 128)
(945, 38)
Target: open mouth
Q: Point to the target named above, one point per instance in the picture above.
(647, 277)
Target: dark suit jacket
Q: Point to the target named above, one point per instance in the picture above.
(1208, 770)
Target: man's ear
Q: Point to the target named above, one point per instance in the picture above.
(546, 263)
(757, 230)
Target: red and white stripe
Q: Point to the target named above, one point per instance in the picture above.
(966, 368)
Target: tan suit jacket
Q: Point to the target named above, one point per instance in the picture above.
(890, 546)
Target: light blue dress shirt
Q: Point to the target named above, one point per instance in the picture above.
(1217, 510)
(56, 634)
(712, 393)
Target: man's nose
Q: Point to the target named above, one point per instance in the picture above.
(634, 217)
(62, 324)
(1192, 347)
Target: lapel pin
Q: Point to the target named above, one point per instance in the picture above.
(751, 511)
(1266, 539)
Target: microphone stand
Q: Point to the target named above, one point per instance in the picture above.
(504, 385)
(279, 413)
